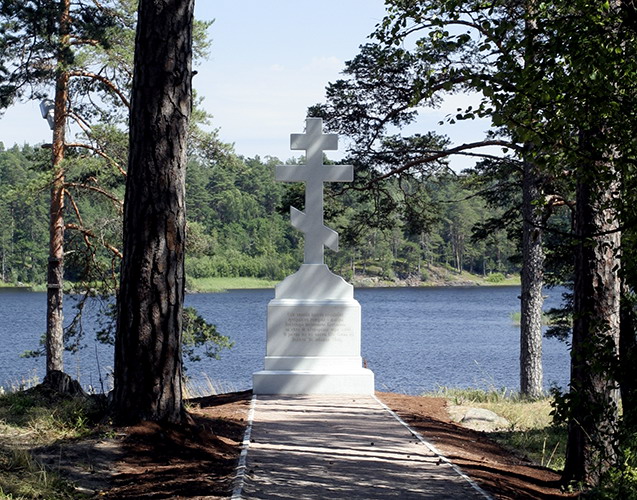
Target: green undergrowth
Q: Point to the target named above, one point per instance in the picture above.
(531, 432)
(22, 477)
(494, 279)
(33, 418)
(44, 417)
(439, 277)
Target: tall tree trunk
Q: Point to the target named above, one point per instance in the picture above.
(55, 269)
(148, 364)
(531, 374)
(532, 282)
(593, 395)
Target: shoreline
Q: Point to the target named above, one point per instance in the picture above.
(220, 285)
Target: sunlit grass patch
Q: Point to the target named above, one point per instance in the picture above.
(21, 384)
(42, 418)
(531, 430)
(469, 396)
(516, 318)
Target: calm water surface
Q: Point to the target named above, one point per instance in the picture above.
(414, 339)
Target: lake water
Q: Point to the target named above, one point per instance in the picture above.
(414, 339)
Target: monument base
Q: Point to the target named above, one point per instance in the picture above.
(359, 381)
(314, 338)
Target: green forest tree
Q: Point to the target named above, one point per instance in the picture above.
(89, 181)
(424, 51)
(409, 243)
(24, 233)
(582, 88)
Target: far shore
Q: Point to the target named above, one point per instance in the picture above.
(436, 277)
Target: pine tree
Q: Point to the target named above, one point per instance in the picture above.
(62, 45)
(148, 364)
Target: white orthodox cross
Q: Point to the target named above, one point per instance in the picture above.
(314, 174)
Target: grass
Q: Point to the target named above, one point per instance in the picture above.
(40, 418)
(224, 284)
(32, 287)
(206, 387)
(208, 285)
(21, 384)
(440, 274)
(22, 477)
(200, 285)
(531, 432)
(33, 418)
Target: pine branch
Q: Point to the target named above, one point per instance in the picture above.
(110, 196)
(105, 81)
(439, 155)
(99, 152)
(90, 234)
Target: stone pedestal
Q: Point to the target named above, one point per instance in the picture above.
(314, 324)
(313, 337)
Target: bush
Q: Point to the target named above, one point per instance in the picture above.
(200, 267)
(620, 482)
(496, 278)
(236, 264)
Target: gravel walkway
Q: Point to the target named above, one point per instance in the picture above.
(341, 447)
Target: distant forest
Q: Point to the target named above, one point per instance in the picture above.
(238, 222)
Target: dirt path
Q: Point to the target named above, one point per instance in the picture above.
(497, 470)
(163, 462)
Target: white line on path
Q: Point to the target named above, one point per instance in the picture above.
(245, 444)
(435, 450)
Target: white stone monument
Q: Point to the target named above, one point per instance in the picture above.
(314, 324)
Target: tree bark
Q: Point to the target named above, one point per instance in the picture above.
(531, 373)
(148, 365)
(55, 268)
(594, 391)
(532, 279)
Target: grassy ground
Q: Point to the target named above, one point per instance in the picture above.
(224, 284)
(511, 280)
(448, 276)
(192, 284)
(34, 418)
(31, 287)
(531, 430)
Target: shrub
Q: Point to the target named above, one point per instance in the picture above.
(495, 278)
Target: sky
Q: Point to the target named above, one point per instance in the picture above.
(270, 60)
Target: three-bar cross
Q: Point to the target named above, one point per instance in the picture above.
(314, 173)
